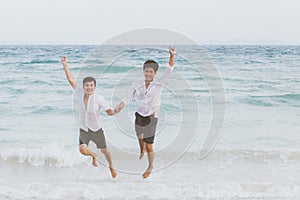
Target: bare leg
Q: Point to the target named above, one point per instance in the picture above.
(142, 145)
(87, 152)
(109, 160)
(150, 154)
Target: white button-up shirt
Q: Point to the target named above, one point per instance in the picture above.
(90, 115)
(147, 100)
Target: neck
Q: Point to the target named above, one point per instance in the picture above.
(87, 95)
(148, 82)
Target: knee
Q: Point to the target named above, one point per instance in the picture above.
(83, 149)
(149, 148)
(104, 150)
(140, 136)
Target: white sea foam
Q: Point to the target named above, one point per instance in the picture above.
(57, 172)
(54, 155)
(51, 155)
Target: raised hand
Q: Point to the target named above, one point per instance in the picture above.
(64, 60)
(172, 51)
(68, 73)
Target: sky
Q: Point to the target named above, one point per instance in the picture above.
(204, 21)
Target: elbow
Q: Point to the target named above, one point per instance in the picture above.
(71, 81)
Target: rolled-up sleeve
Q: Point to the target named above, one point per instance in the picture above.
(103, 103)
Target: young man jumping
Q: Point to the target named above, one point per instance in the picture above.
(90, 105)
(146, 94)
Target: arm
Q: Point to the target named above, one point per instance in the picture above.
(172, 53)
(68, 73)
(126, 99)
(103, 105)
(163, 79)
(119, 107)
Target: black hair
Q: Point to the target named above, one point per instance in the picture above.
(152, 64)
(89, 79)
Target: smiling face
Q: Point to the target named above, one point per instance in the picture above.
(89, 85)
(150, 68)
(89, 88)
(149, 74)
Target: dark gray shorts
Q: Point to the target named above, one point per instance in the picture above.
(97, 137)
(149, 130)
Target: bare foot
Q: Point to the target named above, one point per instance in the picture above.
(95, 164)
(113, 172)
(147, 173)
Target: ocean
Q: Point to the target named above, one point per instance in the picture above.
(255, 153)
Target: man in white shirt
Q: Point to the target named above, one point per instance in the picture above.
(146, 94)
(90, 105)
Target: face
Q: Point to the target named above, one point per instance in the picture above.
(149, 74)
(89, 88)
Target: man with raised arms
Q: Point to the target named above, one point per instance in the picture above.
(90, 105)
(146, 94)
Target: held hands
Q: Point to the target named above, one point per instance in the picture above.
(116, 110)
(110, 112)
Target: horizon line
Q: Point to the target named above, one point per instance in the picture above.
(96, 44)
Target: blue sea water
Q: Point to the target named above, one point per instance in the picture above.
(257, 155)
